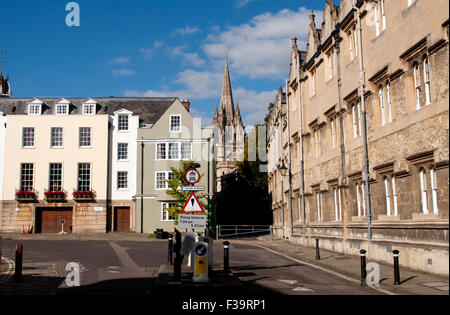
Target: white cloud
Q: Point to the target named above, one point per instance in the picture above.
(149, 52)
(242, 3)
(261, 48)
(122, 72)
(253, 104)
(195, 85)
(191, 58)
(186, 31)
(120, 61)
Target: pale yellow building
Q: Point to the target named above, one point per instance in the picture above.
(388, 59)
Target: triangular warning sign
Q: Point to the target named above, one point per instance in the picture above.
(192, 205)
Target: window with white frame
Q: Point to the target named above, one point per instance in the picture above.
(56, 137)
(122, 180)
(28, 137)
(123, 122)
(387, 193)
(330, 62)
(161, 151)
(122, 151)
(89, 108)
(410, 2)
(174, 151)
(423, 177)
(333, 130)
(337, 204)
(186, 150)
(85, 137)
(313, 82)
(165, 206)
(84, 177)
(384, 96)
(357, 121)
(360, 199)
(380, 16)
(62, 109)
(55, 177)
(417, 85)
(26, 177)
(353, 43)
(426, 78)
(317, 141)
(319, 206)
(162, 178)
(175, 123)
(35, 109)
(390, 193)
(388, 102)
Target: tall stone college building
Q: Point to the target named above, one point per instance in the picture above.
(375, 71)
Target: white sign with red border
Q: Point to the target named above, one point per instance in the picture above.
(192, 205)
(192, 176)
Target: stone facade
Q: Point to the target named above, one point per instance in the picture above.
(401, 55)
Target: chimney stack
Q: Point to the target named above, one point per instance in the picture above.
(186, 104)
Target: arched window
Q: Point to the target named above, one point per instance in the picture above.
(426, 78)
(423, 190)
(417, 83)
(434, 192)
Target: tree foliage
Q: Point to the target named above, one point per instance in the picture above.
(175, 191)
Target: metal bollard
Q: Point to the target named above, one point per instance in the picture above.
(226, 258)
(170, 252)
(317, 249)
(363, 266)
(178, 258)
(18, 262)
(396, 268)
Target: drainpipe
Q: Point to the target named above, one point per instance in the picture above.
(281, 156)
(291, 222)
(363, 108)
(142, 185)
(341, 117)
(109, 214)
(302, 158)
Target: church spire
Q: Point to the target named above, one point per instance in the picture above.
(226, 101)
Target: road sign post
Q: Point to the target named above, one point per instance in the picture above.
(201, 263)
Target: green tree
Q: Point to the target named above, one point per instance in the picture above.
(176, 192)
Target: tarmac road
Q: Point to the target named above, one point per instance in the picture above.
(130, 267)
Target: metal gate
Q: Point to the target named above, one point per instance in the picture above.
(237, 230)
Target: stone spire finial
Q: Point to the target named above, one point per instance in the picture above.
(226, 101)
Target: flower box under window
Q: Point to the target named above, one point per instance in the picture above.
(26, 196)
(53, 196)
(83, 195)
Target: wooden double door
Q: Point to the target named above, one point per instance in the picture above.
(51, 220)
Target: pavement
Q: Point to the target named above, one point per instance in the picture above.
(258, 266)
(412, 282)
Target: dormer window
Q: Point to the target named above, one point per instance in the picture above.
(35, 108)
(123, 122)
(62, 108)
(89, 108)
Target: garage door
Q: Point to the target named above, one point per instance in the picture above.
(50, 220)
(122, 219)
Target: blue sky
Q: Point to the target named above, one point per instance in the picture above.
(154, 48)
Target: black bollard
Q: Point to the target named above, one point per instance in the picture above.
(396, 268)
(317, 249)
(178, 259)
(170, 252)
(363, 267)
(226, 258)
(19, 260)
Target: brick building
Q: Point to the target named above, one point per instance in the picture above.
(365, 112)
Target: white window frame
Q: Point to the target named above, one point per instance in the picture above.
(424, 191)
(165, 212)
(383, 14)
(426, 79)
(319, 206)
(417, 85)
(376, 9)
(54, 137)
(28, 142)
(389, 101)
(157, 158)
(119, 151)
(356, 113)
(178, 151)
(122, 126)
(183, 158)
(387, 194)
(26, 177)
(382, 105)
(118, 180)
(89, 108)
(434, 191)
(62, 109)
(394, 194)
(80, 144)
(166, 177)
(333, 133)
(171, 129)
(55, 176)
(35, 109)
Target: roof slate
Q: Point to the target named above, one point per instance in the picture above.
(149, 109)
